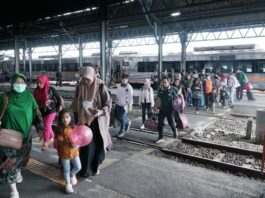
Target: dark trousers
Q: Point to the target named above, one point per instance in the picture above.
(222, 97)
(170, 119)
(239, 92)
(208, 100)
(59, 81)
(146, 107)
(92, 155)
(195, 102)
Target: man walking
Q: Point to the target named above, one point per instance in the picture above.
(124, 102)
(164, 102)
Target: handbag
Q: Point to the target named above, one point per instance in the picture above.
(9, 138)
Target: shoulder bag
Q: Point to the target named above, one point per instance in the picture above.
(9, 138)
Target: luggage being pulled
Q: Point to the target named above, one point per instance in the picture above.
(250, 95)
(182, 121)
(152, 122)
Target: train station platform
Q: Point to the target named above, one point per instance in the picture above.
(132, 170)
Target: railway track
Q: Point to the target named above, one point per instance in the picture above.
(226, 158)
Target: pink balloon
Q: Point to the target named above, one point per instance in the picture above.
(81, 136)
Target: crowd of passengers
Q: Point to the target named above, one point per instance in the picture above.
(91, 106)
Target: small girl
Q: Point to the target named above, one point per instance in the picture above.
(67, 153)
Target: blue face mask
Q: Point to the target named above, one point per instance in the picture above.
(19, 87)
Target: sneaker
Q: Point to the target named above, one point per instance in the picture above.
(160, 141)
(73, 180)
(14, 194)
(19, 176)
(197, 112)
(97, 173)
(128, 126)
(121, 134)
(142, 127)
(69, 188)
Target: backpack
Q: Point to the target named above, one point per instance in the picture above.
(208, 86)
(101, 92)
(176, 100)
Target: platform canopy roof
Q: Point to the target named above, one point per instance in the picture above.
(125, 18)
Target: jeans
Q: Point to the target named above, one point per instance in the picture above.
(231, 93)
(146, 107)
(239, 92)
(121, 116)
(68, 173)
(189, 98)
(161, 118)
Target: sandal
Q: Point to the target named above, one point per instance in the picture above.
(45, 146)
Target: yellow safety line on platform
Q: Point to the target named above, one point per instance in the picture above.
(47, 171)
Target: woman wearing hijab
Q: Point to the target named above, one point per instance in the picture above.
(146, 100)
(94, 111)
(19, 115)
(48, 99)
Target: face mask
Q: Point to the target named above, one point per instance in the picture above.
(19, 87)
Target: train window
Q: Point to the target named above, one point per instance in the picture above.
(146, 66)
(245, 66)
(260, 67)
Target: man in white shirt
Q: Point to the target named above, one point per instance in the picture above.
(124, 102)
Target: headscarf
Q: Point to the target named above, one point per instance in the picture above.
(148, 83)
(87, 93)
(41, 95)
(21, 109)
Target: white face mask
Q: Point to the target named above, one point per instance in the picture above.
(19, 87)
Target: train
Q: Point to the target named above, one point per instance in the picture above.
(139, 66)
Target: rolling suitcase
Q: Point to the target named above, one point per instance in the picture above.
(182, 121)
(250, 95)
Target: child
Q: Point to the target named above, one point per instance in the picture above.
(67, 153)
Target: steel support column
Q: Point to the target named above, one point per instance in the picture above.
(103, 51)
(183, 40)
(30, 62)
(60, 56)
(16, 51)
(110, 71)
(80, 49)
(160, 52)
(24, 58)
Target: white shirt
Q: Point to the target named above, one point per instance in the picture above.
(124, 96)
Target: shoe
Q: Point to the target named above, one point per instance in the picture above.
(160, 141)
(73, 180)
(19, 176)
(97, 173)
(197, 112)
(142, 127)
(14, 194)
(213, 112)
(175, 135)
(121, 134)
(69, 188)
(45, 146)
(128, 126)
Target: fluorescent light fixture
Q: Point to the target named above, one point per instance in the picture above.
(174, 14)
